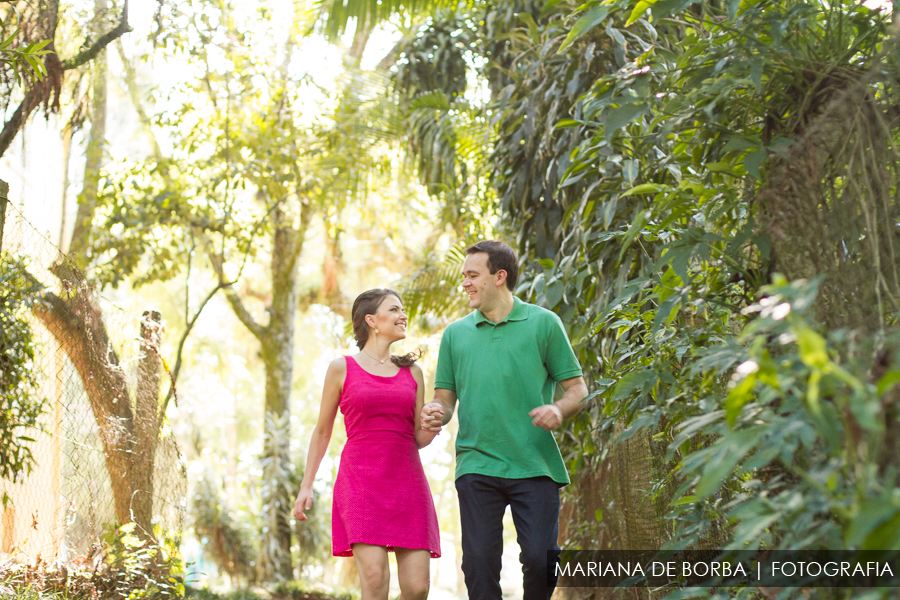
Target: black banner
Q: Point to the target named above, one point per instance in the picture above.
(725, 568)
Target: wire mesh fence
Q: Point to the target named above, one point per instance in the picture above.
(103, 455)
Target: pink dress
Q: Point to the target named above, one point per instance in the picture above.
(381, 496)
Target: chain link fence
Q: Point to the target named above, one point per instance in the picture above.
(103, 454)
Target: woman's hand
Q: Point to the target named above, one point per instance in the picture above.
(432, 417)
(303, 503)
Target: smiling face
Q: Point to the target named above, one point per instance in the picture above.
(389, 319)
(478, 282)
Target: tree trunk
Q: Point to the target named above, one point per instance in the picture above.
(332, 268)
(147, 420)
(87, 200)
(277, 351)
(77, 324)
(4, 199)
(129, 435)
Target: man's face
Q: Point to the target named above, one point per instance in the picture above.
(478, 282)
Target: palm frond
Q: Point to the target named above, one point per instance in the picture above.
(432, 291)
(337, 14)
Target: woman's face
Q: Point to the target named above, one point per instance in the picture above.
(389, 319)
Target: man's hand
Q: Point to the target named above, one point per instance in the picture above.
(432, 417)
(304, 502)
(547, 417)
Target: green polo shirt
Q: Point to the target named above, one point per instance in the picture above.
(500, 372)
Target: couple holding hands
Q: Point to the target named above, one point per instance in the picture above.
(497, 368)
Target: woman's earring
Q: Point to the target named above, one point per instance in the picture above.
(376, 330)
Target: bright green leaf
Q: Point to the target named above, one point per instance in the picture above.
(587, 22)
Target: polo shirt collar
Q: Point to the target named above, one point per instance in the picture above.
(519, 312)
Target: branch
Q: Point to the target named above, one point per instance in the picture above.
(12, 127)
(91, 53)
(237, 305)
(174, 374)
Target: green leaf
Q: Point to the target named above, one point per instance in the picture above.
(532, 27)
(887, 382)
(598, 515)
(885, 537)
(684, 500)
(567, 123)
(754, 160)
(639, 9)
(553, 293)
(731, 449)
(632, 232)
(631, 381)
(647, 188)
(739, 395)
(664, 8)
(812, 348)
(621, 116)
(5, 44)
(663, 312)
(739, 143)
(587, 22)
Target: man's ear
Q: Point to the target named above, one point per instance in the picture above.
(500, 278)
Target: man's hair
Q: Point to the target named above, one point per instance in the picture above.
(500, 256)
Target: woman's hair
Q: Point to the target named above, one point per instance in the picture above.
(367, 303)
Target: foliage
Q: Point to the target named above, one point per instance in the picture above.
(432, 288)
(125, 567)
(22, 46)
(448, 138)
(283, 591)
(20, 402)
(224, 541)
(433, 59)
(338, 14)
(634, 177)
(658, 163)
(140, 568)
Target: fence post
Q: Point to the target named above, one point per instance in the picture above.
(4, 198)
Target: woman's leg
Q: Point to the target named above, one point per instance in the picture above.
(374, 572)
(413, 573)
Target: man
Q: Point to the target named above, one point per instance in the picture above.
(503, 362)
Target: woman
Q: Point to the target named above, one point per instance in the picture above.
(381, 498)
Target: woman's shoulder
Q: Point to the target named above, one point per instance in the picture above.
(338, 366)
(415, 369)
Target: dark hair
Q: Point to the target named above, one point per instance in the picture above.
(367, 303)
(500, 256)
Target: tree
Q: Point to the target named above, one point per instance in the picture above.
(244, 169)
(38, 25)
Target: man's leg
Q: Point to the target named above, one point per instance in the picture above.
(482, 503)
(535, 510)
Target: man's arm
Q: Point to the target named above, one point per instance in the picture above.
(551, 416)
(438, 413)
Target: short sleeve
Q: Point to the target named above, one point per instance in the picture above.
(560, 358)
(444, 377)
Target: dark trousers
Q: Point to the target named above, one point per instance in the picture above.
(534, 503)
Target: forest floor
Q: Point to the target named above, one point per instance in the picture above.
(281, 593)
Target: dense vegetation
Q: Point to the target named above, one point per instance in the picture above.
(707, 195)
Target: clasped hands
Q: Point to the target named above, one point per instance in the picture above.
(432, 417)
(548, 417)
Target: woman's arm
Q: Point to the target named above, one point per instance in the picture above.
(423, 438)
(318, 445)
